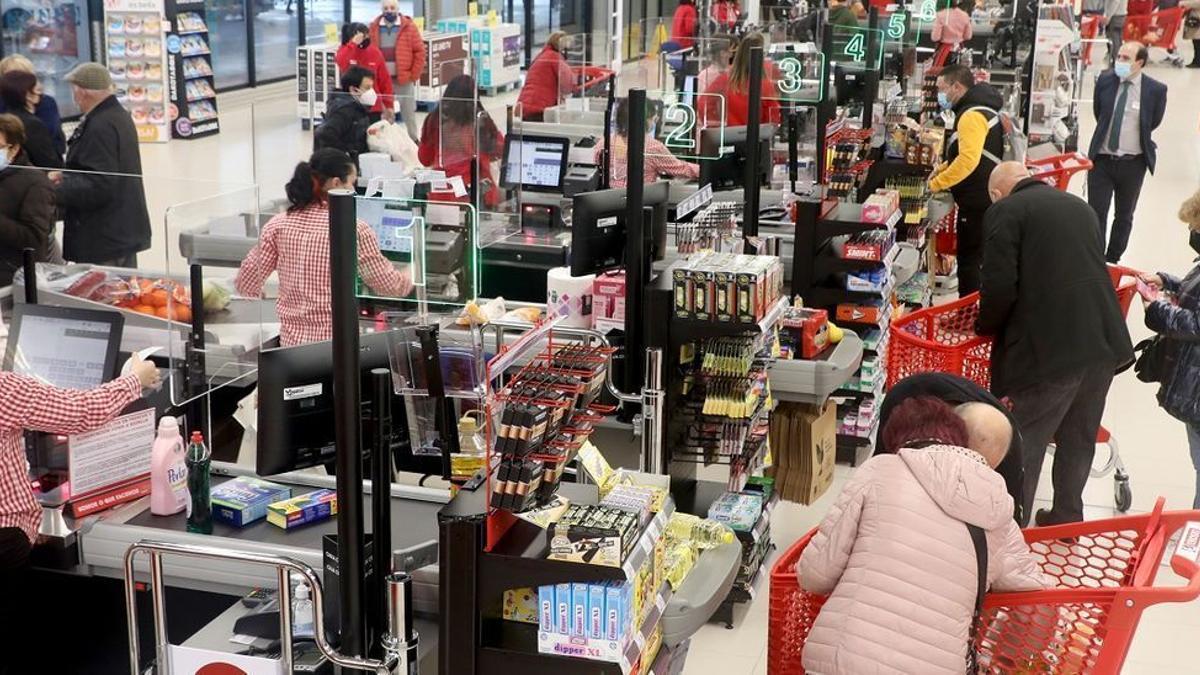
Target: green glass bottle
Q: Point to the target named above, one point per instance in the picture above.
(199, 462)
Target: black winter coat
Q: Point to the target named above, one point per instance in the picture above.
(1046, 294)
(1179, 321)
(39, 142)
(344, 127)
(104, 210)
(972, 191)
(26, 215)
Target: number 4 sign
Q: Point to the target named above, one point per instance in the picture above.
(856, 47)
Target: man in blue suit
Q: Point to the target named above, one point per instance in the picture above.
(1128, 105)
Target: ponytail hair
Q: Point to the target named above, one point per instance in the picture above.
(307, 186)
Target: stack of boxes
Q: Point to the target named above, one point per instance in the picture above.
(726, 287)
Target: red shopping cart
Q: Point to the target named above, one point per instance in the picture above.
(942, 339)
(1157, 29)
(1105, 579)
(1059, 169)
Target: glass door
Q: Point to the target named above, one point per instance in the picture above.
(54, 35)
(276, 37)
(227, 37)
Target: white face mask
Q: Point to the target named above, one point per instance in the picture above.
(368, 98)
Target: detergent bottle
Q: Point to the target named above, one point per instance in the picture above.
(168, 470)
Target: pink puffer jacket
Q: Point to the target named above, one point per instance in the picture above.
(898, 563)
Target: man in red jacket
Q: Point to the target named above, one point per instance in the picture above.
(398, 37)
(548, 81)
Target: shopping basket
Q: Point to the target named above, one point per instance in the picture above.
(1104, 572)
(1059, 169)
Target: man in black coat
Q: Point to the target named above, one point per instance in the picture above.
(100, 194)
(347, 116)
(1059, 333)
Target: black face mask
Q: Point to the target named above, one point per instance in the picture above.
(1194, 242)
(365, 43)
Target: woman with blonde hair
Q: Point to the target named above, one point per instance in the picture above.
(46, 109)
(1173, 312)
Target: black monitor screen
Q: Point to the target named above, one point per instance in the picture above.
(535, 162)
(64, 347)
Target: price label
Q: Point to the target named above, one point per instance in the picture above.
(492, 18)
(331, 34)
(472, 9)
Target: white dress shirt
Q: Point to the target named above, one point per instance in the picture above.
(1130, 141)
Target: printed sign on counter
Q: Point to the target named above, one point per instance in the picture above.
(116, 452)
(192, 661)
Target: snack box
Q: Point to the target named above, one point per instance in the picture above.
(243, 500)
(310, 508)
(867, 281)
(859, 313)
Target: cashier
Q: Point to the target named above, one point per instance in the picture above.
(734, 86)
(658, 158)
(295, 244)
(548, 81)
(27, 404)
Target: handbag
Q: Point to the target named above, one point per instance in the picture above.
(979, 538)
(1151, 365)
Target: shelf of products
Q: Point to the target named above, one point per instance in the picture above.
(137, 61)
(193, 89)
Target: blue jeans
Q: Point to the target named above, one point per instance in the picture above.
(1193, 432)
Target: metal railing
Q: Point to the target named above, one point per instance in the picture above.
(400, 641)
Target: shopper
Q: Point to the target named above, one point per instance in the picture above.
(841, 15)
(347, 115)
(358, 50)
(957, 391)
(659, 161)
(1128, 105)
(1115, 12)
(19, 91)
(1048, 301)
(735, 87)
(548, 81)
(1191, 28)
(683, 24)
(952, 26)
(399, 38)
(100, 194)
(897, 552)
(449, 135)
(26, 404)
(296, 245)
(726, 13)
(46, 109)
(1175, 317)
(719, 60)
(972, 151)
(26, 202)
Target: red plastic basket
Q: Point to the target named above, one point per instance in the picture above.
(1157, 29)
(1104, 572)
(1059, 169)
(942, 339)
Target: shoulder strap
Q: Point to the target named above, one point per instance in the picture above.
(979, 538)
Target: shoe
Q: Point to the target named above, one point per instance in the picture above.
(1193, 64)
(1044, 518)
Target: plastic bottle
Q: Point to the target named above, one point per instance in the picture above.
(302, 613)
(703, 533)
(168, 470)
(199, 461)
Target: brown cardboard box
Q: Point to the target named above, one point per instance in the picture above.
(804, 444)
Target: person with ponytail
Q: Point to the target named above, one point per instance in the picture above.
(357, 50)
(457, 133)
(296, 245)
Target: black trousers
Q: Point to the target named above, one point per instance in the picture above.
(1116, 180)
(14, 566)
(1066, 411)
(970, 248)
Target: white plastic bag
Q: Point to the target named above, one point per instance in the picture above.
(392, 139)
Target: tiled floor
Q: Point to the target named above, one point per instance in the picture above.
(1154, 445)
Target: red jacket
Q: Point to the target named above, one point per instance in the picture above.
(737, 104)
(549, 79)
(370, 58)
(726, 13)
(1140, 7)
(410, 49)
(455, 154)
(683, 26)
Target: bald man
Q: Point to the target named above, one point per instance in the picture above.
(989, 431)
(1047, 300)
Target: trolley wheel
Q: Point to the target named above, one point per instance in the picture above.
(1122, 493)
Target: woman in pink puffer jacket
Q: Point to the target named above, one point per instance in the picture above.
(894, 553)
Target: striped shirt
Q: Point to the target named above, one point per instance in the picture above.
(296, 245)
(26, 403)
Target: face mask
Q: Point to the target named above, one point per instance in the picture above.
(1193, 238)
(390, 17)
(1122, 69)
(4, 161)
(368, 98)
(654, 129)
(944, 101)
(365, 43)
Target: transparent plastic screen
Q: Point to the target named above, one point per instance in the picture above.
(856, 48)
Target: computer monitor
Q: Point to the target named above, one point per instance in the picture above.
(535, 163)
(64, 346)
(729, 170)
(849, 85)
(598, 229)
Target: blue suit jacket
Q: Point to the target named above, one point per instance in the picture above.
(1153, 106)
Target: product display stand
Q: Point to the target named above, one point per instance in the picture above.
(190, 72)
(136, 49)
